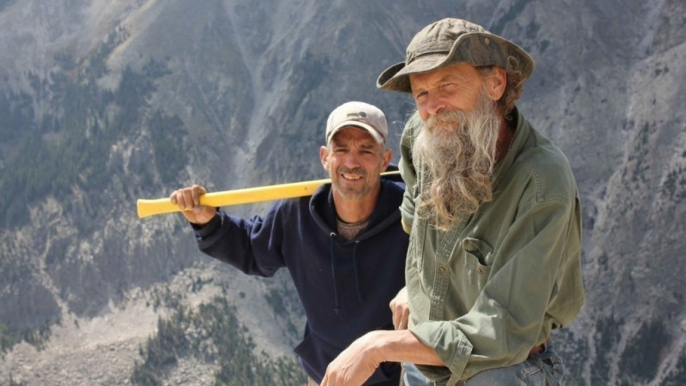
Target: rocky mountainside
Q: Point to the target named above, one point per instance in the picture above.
(104, 102)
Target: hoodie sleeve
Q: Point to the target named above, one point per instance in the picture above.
(253, 246)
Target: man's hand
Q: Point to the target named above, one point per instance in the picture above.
(357, 363)
(354, 365)
(188, 200)
(400, 309)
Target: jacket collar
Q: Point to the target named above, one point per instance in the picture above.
(521, 135)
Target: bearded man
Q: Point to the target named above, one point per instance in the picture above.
(492, 208)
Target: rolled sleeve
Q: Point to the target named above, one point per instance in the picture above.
(508, 316)
(449, 344)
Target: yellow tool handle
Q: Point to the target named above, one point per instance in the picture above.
(236, 197)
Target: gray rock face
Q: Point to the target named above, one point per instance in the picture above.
(104, 102)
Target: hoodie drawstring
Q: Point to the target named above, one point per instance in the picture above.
(333, 272)
(357, 280)
(336, 307)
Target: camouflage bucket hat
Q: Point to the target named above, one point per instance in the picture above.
(452, 41)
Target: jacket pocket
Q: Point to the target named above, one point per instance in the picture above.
(479, 259)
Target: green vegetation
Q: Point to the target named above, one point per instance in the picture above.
(606, 338)
(85, 124)
(63, 139)
(678, 376)
(641, 358)
(212, 334)
(36, 337)
(166, 298)
(16, 280)
(573, 350)
(167, 148)
(7, 338)
(15, 383)
(674, 185)
(16, 113)
(286, 305)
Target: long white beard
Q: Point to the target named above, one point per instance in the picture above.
(459, 149)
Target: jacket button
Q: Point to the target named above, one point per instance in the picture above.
(441, 269)
(479, 271)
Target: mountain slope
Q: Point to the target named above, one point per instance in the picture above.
(105, 102)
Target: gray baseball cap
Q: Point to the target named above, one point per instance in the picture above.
(358, 114)
(452, 41)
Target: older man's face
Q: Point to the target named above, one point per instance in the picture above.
(459, 140)
(455, 87)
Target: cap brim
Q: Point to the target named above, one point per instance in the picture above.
(375, 134)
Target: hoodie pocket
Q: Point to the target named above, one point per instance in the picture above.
(316, 354)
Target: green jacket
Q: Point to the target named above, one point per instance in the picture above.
(486, 291)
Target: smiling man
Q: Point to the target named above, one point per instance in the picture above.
(344, 246)
(493, 267)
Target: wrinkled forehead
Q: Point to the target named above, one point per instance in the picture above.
(352, 133)
(458, 73)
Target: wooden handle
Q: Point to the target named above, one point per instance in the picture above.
(236, 197)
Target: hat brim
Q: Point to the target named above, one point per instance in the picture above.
(360, 125)
(396, 77)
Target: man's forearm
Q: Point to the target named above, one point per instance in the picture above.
(403, 346)
(357, 363)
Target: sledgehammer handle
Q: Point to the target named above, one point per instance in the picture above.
(236, 197)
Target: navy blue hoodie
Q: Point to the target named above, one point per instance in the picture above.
(345, 286)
